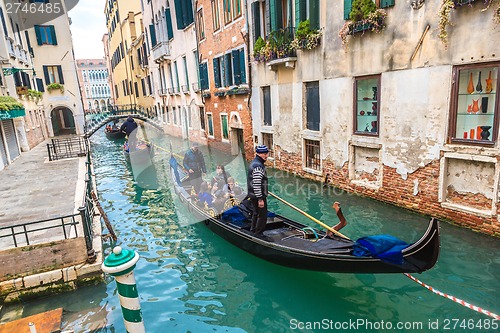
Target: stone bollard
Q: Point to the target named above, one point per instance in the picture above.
(121, 264)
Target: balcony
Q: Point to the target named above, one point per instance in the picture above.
(163, 92)
(185, 89)
(161, 52)
(10, 46)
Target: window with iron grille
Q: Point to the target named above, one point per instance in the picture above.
(312, 154)
(267, 139)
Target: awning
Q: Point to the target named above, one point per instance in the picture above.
(12, 114)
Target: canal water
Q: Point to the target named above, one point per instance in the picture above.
(191, 280)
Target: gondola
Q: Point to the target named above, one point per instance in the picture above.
(114, 134)
(292, 244)
(139, 158)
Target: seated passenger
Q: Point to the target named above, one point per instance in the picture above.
(230, 190)
(220, 179)
(205, 195)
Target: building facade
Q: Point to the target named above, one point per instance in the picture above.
(128, 55)
(22, 116)
(408, 116)
(173, 62)
(222, 32)
(94, 84)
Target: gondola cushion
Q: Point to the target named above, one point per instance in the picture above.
(384, 247)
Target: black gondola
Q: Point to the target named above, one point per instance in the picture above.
(139, 158)
(296, 245)
(114, 134)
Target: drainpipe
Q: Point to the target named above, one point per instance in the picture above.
(246, 38)
(121, 264)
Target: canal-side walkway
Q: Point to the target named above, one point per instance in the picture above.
(33, 189)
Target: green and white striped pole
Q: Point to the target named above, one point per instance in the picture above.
(121, 264)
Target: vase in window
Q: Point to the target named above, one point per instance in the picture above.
(475, 106)
(484, 105)
(485, 132)
(479, 86)
(470, 86)
(489, 84)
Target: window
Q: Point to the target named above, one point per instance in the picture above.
(174, 113)
(200, 25)
(183, 13)
(266, 95)
(218, 65)
(308, 10)
(228, 70)
(168, 19)
(474, 104)
(267, 139)
(178, 86)
(184, 61)
(258, 20)
(232, 10)
(204, 76)
(215, 15)
(202, 118)
(312, 155)
(224, 127)
(312, 106)
(366, 105)
(379, 3)
(45, 35)
(53, 74)
(210, 124)
(238, 66)
(167, 114)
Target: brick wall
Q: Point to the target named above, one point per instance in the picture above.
(400, 192)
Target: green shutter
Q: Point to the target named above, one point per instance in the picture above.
(53, 35)
(189, 12)
(243, 66)
(225, 132)
(60, 73)
(202, 77)
(228, 75)
(300, 11)
(38, 35)
(46, 75)
(216, 72)
(279, 14)
(152, 32)
(235, 55)
(178, 14)
(267, 18)
(272, 15)
(314, 14)
(168, 18)
(347, 8)
(256, 20)
(205, 75)
(386, 3)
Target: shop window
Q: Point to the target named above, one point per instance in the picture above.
(474, 113)
(312, 154)
(367, 105)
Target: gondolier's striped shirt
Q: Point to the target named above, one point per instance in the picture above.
(257, 179)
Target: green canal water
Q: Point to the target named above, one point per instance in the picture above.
(190, 280)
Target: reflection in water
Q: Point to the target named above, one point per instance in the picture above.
(190, 280)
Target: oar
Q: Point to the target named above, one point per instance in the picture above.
(168, 151)
(309, 216)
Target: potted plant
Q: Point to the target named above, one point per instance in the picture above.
(364, 16)
(258, 50)
(305, 37)
(34, 95)
(54, 86)
(10, 107)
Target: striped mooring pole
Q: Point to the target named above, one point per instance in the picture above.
(121, 264)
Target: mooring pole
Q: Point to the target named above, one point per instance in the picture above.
(121, 264)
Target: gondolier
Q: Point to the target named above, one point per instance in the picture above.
(194, 163)
(129, 127)
(257, 190)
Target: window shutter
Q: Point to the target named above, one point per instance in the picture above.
(178, 14)
(347, 8)
(168, 18)
(60, 73)
(386, 3)
(300, 11)
(184, 14)
(53, 35)
(272, 15)
(38, 35)
(217, 72)
(202, 77)
(152, 32)
(5, 32)
(228, 70)
(46, 75)
(243, 67)
(39, 85)
(314, 14)
(189, 12)
(268, 16)
(256, 20)
(235, 55)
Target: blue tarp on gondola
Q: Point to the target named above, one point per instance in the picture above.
(384, 247)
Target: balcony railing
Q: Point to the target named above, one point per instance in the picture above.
(10, 46)
(162, 92)
(161, 51)
(185, 89)
(196, 87)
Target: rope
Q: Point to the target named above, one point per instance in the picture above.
(454, 299)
